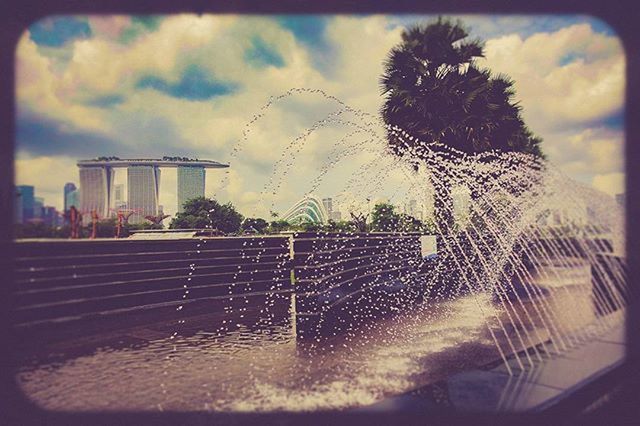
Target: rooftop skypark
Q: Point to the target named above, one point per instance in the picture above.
(161, 162)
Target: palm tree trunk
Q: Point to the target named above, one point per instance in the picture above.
(443, 207)
(449, 281)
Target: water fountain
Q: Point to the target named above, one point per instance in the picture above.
(499, 288)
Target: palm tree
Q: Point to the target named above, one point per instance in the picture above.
(435, 91)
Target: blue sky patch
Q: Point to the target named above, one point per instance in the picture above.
(262, 54)
(139, 25)
(56, 31)
(568, 58)
(310, 31)
(195, 84)
(43, 136)
(106, 101)
(614, 121)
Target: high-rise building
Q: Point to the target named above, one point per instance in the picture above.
(17, 207)
(96, 185)
(50, 216)
(143, 180)
(336, 216)
(38, 208)
(120, 202)
(143, 183)
(411, 208)
(68, 188)
(27, 195)
(118, 193)
(328, 205)
(190, 184)
(73, 199)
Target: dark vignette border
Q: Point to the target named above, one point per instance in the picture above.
(17, 15)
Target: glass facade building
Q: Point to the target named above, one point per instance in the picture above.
(119, 193)
(72, 199)
(96, 185)
(141, 193)
(17, 207)
(69, 187)
(38, 208)
(27, 197)
(190, 184)
(143, 184)
(309, 209)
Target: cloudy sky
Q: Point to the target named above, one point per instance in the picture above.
(188, 85)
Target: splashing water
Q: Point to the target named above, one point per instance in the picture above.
(514, 269)
(528, 234)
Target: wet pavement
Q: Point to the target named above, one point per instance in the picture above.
(210, 365)
(247, 359)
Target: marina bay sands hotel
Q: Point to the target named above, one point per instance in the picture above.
(143, 183)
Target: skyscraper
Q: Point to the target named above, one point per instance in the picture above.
(96, 185)
(50, 216)
(328, 205)
(72, 199)
(143, 184)
(143, 181)
(68, 188)
(119, 193)
(336, 216)
(190, 184)
(17, 207)
(27, 194)
(411, 208)
(119, 201)
(38, 208)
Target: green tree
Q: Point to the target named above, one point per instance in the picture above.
(201, 213)
(258, 225)
(384, 218)
(339, 226)
(279, 226)
(435, 91)
(308, 226)
(142, 226)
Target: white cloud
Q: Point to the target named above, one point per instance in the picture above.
(611, 183)
(583, 153)
(40, 90)
(566, 78)
(560, 97)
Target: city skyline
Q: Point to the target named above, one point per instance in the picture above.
(194, 100)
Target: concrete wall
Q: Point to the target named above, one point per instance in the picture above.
(62, 284)
(72, 282)
(342, 279)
